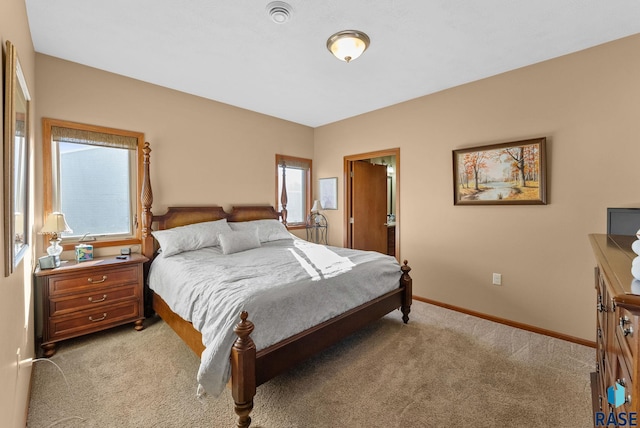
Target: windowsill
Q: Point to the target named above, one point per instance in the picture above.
(70, 245)
(296, 226)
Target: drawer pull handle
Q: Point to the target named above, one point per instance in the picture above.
(104, 297)
(626, 331)
(600, 402)
(104, 315)
(92, 281)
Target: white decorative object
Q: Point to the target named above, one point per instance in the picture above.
(635, 268)
(636, 247)
(635, 286)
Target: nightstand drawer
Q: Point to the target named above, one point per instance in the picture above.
(79, 282)
(100, 297)
(93, 320)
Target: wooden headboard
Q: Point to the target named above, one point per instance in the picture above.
(181, 216)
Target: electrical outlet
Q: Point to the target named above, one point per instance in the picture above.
(22, 363)
(497, 279)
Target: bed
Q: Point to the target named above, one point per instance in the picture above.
(251, 366)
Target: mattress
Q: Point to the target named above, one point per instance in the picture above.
(286, 286)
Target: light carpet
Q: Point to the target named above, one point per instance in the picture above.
(443, 369)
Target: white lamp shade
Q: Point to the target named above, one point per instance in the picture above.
(316, 206)
(55, 223)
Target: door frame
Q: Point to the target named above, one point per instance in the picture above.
(348, 160)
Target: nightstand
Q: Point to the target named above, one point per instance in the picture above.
(85, 297)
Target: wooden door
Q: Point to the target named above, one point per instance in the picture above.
(369, 207)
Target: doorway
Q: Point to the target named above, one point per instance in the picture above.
(372, 201)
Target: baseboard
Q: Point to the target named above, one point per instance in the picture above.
(510, 323)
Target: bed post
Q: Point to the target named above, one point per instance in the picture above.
(407, 296)
(283, 195)
(146, 197)
(243, 371)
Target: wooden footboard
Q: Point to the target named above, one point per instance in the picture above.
(250, 368)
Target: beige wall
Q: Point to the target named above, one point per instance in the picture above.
(15, 290)
(586, 104)
(203, 152)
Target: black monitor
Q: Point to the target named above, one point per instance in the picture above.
(623, 221)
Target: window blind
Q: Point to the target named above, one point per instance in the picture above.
(80, 136)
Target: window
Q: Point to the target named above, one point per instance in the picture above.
(296, 172)
(93, 175)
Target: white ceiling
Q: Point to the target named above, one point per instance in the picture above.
(230, 51)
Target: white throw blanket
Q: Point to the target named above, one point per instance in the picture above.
(286, 286)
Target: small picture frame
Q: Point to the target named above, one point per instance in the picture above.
(329, 193)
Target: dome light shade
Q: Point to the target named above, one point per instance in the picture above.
(348, 45)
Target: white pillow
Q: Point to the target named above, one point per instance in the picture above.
(236, 241)
(191, 237)
(268, 229)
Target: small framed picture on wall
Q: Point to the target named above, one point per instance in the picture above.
(329, 193)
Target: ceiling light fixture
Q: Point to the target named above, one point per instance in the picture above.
(279, 11)
(348, 45)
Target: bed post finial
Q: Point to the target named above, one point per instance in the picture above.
(407, 296)
(146, 197)
(243, 371)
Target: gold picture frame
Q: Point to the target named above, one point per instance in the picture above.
(501, 174)
(16, 161)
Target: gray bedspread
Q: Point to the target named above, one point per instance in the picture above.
(286, 286)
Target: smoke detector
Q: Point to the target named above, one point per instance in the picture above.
(279, 11)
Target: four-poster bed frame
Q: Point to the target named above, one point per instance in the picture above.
(251, 368)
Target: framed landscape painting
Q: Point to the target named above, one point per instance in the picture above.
(501, 174)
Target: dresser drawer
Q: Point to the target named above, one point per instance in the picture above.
(97, 298)
(79, 282)
(90, 320)
(624, 378)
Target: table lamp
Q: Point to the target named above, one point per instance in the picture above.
(54, 225)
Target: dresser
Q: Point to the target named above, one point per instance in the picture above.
(81, 298)
(617, 329)
(391, 239)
